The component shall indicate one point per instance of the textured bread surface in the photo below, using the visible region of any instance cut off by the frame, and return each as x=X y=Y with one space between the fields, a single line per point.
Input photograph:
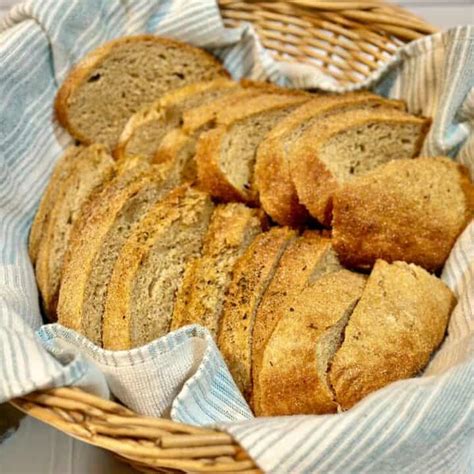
x=201 y=295
x=61 y=172
x=296 y=359
x=410 y=210
x=150 y=267
x=304 y=261
x=399 y=321
x=96 y=243
x=251 y=276
x=93 y=168
x=273 y=181
x=145 y=129
x=346 y=145
x=114 y=81
x=225 y=156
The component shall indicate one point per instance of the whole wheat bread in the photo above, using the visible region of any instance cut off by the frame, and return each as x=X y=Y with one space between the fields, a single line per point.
x=410 y=210
x=115 y=80
x=251 y=276
x=150 y=268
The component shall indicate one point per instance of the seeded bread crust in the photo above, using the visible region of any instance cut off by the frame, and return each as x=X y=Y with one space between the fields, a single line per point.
x=399 y=321
x=164 y=114
x=201 y=295
x=153 y=230
x=273 y=181
x=293 y=375
x=315 y=182
x=251 y=276
x=86 y=66
x=410 y=210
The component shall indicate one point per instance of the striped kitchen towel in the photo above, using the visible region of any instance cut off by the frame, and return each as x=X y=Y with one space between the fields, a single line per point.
x=421 y=425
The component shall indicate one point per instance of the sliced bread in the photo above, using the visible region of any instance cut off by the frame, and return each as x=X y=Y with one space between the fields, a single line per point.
x=61 y=172
x=145 y=129
x=96 y=242
x=304 y=261
x=251 y=276
x=225 y=156
x=399 y=321
x=410 y=210
x=277 y=193
x=349 y=144
x=117 y=79
x=93 y=168
x=293 y=375
x=150 y=267
x=201 y=296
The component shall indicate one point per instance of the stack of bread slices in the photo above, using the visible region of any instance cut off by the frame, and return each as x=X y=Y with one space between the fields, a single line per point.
x=194 y=199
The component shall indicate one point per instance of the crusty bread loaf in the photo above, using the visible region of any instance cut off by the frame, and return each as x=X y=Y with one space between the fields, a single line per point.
x=349 y=144
x=277 y=193
x=399 y=321
x=150 y=267
x=61 y=172
x=145 y=129
x=411 y=210
x=296 y=359
x=251 y=276
x=96 y=241
x=305 y=260
x=114 y=81
x=201 y=295
x=225 y=156
x=93 y=167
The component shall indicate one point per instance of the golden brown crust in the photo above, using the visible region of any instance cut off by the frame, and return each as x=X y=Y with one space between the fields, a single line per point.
x=40 y=223
x=252 y=274
x=314 y=182
x=158 y=110
x=289 y=380
x=273 y=180
x=82 y=70
x=296 y=265
x=399 y=321
x=410 y=210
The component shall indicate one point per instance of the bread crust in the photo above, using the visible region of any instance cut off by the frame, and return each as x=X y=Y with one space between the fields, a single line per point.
x=399 y=321
x=314 y=182
x=289 y=380
x=82 y=70
x=158 y=110
x=273 y=180
x=395 y=213
x=252 y=274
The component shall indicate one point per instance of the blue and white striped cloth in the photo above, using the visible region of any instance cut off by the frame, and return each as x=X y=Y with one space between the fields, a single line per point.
x=421 y=425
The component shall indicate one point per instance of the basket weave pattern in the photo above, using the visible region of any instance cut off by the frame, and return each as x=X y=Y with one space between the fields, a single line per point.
x=347 y=39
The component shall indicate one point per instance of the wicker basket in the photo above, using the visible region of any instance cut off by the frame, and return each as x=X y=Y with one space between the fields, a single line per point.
x=347 y=39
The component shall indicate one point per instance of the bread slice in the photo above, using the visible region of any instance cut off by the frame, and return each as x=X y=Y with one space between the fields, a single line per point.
x=296 y=359
x=117 y=79
x=349 y=144
x=225 y=156
x=273 y=181
x=251 y=276
x=201 y=296
x=410 y=210
x=305 y=260
x=61 y=172
x=150 y=267
x=145 y=129
x=96 y=242
x=93 y=168
x=399 y=321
